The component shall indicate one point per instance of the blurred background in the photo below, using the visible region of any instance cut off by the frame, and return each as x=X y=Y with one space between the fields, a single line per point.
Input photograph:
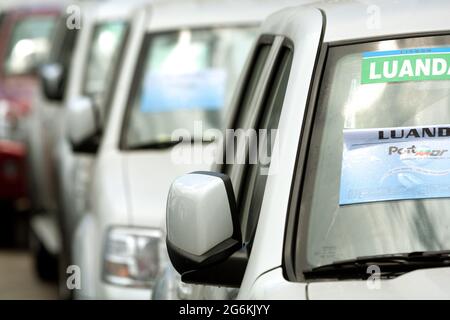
x=24 y=48
x=29 y=38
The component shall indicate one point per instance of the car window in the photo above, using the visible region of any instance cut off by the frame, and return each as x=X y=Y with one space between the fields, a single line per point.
x=63 y=43
x=29 y=44
x=255 y=176
x=102 y=58
x=185 y=77
x=349 y=103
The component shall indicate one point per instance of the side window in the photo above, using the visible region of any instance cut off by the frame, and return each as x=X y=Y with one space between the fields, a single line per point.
x=255 y=175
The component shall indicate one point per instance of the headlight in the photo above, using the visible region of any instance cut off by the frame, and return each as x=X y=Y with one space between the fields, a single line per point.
x=132 y=256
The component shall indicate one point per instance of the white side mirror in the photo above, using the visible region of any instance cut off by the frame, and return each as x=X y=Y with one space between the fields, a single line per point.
x=81 y=123
x=203 y=228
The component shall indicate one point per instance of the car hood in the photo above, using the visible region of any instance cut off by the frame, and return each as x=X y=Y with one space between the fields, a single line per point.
x=148 y=177
x=418 y=284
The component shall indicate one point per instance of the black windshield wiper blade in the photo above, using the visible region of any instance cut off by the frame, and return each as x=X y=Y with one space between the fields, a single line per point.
x=166 y=144
x=389 y=264
x=154 y=145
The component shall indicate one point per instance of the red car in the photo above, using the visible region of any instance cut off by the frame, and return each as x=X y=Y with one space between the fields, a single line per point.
x=25 y=34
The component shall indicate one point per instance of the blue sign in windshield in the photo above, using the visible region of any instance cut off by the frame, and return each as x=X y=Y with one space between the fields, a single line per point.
x=203 y=89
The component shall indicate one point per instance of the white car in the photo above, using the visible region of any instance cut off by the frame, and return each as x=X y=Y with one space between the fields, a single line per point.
x=354 y=202
x=44 y=127
x=88 y=46
x=180 y=69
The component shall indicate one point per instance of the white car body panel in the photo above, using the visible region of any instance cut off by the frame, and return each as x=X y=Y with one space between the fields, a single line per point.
x=273 y=286
x=149 y=176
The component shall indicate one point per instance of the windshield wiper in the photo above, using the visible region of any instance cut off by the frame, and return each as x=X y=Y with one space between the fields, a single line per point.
x=166 y=144
x=154 y=145
x=391 y=265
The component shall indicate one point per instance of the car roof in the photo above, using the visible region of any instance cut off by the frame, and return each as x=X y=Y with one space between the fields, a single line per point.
x=117 y=9
x=352 y=19
x=175 y=14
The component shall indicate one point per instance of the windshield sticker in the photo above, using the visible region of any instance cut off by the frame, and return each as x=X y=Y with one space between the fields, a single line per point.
x=170 y=92
x=395 y=164
x=406 y=65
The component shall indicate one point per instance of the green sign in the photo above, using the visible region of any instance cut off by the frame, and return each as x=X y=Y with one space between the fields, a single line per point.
x=406 y=65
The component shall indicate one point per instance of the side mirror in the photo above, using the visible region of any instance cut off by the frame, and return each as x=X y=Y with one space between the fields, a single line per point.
x=82 y=129
x=203 y=229
x=53 y=81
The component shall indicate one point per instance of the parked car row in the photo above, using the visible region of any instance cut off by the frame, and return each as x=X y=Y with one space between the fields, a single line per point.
x=24 y=43
x=139 y=175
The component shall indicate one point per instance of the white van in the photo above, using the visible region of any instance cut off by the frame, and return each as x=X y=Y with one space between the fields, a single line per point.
x=81 y=72
x=340 y=212
x=44 y=127
x=182 y=68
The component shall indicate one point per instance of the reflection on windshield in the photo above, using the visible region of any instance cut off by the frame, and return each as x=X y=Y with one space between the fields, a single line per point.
x=344 y=232
x=29 y=45
x=103 y=56
x=188 y=76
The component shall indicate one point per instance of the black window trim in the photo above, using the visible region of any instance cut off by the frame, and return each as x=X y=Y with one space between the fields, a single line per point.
x=265 y=84
x=263 y=40
x=291 y=263
x=286 y=45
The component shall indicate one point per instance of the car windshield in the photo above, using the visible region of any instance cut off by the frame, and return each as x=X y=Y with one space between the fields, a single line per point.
x=184 y=77
x=29 y=44
x=378 y=169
